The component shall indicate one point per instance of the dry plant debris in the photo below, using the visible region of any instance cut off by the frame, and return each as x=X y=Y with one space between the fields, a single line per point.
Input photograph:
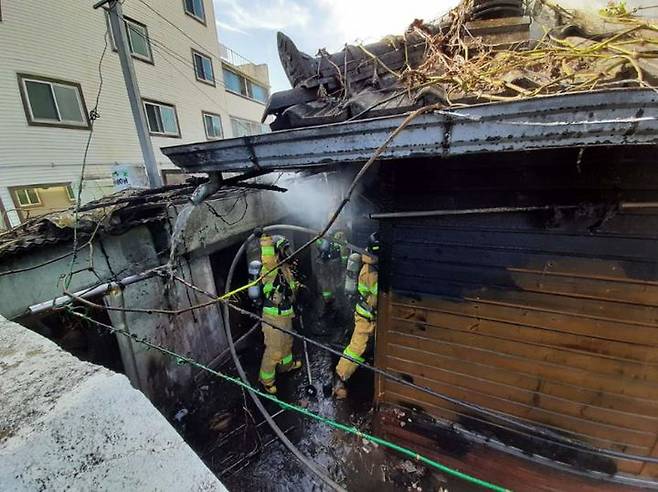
x=583 y=52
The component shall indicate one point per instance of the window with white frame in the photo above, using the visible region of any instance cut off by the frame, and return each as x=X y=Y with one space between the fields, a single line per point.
x=53 y=102
x=27 y=197
x=243 y=86
x=70 y=193
x=138 y=39
x=195 y=9
x=213 y=125
x=203 y=68
x=161 y=118
x=243 y=128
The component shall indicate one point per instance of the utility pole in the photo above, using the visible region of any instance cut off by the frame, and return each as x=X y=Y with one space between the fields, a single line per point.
x=118 y=28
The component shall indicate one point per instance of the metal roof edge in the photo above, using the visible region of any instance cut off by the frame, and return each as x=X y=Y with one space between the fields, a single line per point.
x=610 y=117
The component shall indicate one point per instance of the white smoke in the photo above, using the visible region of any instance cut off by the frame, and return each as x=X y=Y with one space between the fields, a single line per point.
x=310 y=200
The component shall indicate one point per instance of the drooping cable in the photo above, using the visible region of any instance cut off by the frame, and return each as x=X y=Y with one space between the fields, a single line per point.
x=182 y=359
x=254 y=395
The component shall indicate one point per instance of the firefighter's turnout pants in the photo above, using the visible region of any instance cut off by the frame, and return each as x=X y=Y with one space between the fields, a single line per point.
x=329 y=273
x=278 y=347
x=363 y=330
x=365 y=317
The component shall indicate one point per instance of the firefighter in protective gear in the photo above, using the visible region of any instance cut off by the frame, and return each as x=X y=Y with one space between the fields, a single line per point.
x=365 y=318
x=331 y=259
x=279 y=290
x=328 y=270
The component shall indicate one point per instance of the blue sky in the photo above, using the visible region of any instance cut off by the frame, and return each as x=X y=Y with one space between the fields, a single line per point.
x=250 y=26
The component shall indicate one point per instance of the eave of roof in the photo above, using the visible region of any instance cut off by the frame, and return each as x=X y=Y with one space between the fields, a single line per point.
x=611 y=117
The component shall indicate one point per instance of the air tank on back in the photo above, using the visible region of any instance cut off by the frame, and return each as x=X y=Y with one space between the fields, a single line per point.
x=352 y=274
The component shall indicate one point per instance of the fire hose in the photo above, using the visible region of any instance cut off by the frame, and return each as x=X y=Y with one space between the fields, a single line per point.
x=243 y=375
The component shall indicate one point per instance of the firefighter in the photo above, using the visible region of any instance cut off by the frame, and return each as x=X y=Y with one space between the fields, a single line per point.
x=279 y=290
x=329 y=269
x=365 y=316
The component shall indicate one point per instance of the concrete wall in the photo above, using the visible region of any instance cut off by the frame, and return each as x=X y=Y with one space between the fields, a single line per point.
x=132 y=252
x=199 y=333
x=67 y=424
x=206 y=233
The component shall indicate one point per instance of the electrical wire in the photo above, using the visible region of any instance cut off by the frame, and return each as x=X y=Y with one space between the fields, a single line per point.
x=93 y=116
x=254 y=396
x=353 y=430
x=518 y=427
x=193 y=83
x=208 y=51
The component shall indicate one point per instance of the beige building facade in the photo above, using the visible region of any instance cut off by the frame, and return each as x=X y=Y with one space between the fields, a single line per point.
x=53 y=58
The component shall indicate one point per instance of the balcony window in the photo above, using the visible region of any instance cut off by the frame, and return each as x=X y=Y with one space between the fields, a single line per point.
x=138 y=40
x=259 y=93
x=36 y=200
x=243 y=128
x=203 y=68
x=162 y=119
x=213 y=125
x=195 y=9
x=50 y=102
x=234 y=83
x=243 y=86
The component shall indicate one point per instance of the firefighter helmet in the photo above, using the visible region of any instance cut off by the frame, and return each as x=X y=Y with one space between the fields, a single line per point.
x=373 y=243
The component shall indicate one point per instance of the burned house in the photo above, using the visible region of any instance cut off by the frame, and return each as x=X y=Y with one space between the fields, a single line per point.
x=515 y=193
x=518 y=293
x=117 y=264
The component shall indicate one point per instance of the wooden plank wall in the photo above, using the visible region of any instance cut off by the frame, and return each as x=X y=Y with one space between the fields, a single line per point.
x=549 y=317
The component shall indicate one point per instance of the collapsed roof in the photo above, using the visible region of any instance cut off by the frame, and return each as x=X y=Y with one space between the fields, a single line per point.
x=481 y=51
x=113 y=214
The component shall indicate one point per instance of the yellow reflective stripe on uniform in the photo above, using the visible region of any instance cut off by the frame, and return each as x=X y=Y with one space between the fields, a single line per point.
x=267 y=250
x=364 y=312
x=327 y=294
x=287 y=360
x=267 y=376
x=365 y=289
x=354 y=356
x=274 y=311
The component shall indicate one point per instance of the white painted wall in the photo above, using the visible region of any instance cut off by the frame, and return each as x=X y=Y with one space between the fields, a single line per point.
x=64 y=40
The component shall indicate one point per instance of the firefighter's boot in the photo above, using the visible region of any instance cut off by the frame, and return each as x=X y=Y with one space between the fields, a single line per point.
x=340 y=390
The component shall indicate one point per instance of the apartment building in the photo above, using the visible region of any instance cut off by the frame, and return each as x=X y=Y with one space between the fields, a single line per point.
x=58 y=62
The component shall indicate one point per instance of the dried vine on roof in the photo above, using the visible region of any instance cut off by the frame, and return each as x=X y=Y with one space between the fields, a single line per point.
x=620 y=51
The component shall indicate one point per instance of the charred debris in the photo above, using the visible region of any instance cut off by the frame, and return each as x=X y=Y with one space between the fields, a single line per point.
x=480 y=52
x=509 y=151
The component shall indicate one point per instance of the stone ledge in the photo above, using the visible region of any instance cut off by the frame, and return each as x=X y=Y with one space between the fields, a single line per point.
x=65 y=423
